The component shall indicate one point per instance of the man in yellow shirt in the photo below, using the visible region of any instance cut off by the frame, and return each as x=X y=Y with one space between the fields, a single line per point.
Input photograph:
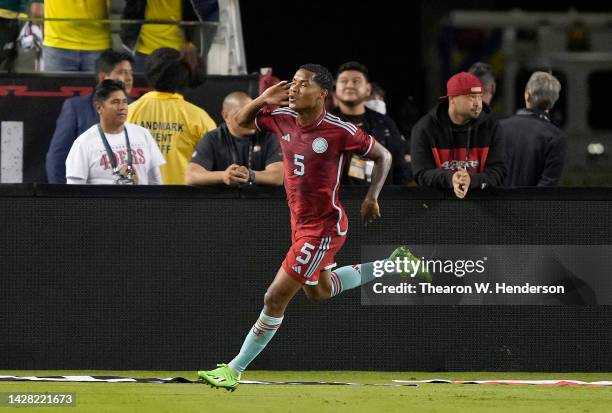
x=176 y=125
x=75 y=45
x=143 y=39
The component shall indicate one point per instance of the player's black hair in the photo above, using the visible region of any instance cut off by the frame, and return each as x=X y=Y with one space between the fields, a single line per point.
x=322 y=76
x=105 y=88
x=354 y=66
x=110 y=58
x=170 y=70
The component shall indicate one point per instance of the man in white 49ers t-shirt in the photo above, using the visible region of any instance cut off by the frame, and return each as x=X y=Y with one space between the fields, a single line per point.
x=114 y=151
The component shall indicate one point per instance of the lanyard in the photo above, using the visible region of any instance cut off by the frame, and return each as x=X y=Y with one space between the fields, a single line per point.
x=111 y=154
x=234 y=149
x=250 y=159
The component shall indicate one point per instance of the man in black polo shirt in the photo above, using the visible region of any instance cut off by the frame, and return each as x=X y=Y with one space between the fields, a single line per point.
x=233 y=155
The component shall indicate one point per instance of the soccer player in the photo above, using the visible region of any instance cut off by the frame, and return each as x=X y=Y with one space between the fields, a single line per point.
x=314 y=145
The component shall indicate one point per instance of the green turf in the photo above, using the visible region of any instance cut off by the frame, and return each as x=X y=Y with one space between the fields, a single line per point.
x=135 y=397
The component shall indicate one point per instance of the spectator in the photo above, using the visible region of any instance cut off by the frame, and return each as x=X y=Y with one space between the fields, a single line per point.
x=10 y=10
x=233 y=155
x=455 y=146
x=409 y=114
x=534 y=146
x=176 y=125
x=113 y=151
x=143 y=39
x=352 y=89
x=78 y=113
x=266 y=79
x=331 y=102
x=484 y=72
x=376 y=100
x=75 y=46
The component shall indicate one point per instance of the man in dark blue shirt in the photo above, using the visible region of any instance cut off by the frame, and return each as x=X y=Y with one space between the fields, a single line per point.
x=78 y=113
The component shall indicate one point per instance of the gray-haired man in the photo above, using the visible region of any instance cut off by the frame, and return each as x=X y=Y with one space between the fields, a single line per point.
x=534 y=146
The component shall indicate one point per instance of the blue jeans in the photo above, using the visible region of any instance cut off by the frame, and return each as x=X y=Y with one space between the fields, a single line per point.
x=66 y=60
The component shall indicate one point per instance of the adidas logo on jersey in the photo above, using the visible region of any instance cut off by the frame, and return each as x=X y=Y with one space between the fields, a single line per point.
x=297 y=269
x=287 y=137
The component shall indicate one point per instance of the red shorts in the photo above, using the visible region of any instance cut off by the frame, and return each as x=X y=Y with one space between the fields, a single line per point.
x=308 y=256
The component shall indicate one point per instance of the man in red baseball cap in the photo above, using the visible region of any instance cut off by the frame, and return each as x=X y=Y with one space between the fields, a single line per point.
x=456 y=145
x=464 y=93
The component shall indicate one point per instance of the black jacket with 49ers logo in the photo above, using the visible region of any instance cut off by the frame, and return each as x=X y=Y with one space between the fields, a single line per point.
x=439 y=148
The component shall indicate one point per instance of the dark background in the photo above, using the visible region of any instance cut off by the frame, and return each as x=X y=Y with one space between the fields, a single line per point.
x=386 y=36
x=130 y=278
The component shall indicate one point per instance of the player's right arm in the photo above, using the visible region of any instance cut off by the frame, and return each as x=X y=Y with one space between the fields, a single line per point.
x=277 y=95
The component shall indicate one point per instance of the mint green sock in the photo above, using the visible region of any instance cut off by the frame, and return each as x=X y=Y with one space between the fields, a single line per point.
x=351 y=276
x=258 y=338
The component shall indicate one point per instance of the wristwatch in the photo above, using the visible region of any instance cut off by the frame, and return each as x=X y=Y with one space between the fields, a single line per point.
x=251 y=176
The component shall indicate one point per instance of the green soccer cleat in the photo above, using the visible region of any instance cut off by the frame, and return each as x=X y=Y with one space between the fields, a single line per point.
x=222 y=377
x=404 y=252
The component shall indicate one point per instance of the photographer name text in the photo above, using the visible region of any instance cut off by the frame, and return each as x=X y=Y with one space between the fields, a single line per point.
x=476 y=288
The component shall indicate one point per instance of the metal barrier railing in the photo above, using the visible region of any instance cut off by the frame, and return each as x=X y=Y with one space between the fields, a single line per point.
x=225 y=34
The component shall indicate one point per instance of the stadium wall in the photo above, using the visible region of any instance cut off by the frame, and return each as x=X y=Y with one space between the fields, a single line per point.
x=172 y=278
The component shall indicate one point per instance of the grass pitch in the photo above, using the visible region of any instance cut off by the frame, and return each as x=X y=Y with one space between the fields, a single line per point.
x=136 y=397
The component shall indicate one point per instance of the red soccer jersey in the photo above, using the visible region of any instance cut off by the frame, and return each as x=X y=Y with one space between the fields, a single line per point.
x=314 y=157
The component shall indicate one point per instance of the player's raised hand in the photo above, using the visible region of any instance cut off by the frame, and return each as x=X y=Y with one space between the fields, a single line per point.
x=277 y=94
x=369 y=210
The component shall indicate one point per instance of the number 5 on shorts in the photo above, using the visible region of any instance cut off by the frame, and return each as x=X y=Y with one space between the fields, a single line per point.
x=306 y=255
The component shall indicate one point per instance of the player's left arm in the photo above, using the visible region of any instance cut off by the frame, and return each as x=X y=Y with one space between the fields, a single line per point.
x=382 y=163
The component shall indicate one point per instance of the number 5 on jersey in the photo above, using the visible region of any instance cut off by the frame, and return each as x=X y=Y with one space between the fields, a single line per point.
x=297 y=161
